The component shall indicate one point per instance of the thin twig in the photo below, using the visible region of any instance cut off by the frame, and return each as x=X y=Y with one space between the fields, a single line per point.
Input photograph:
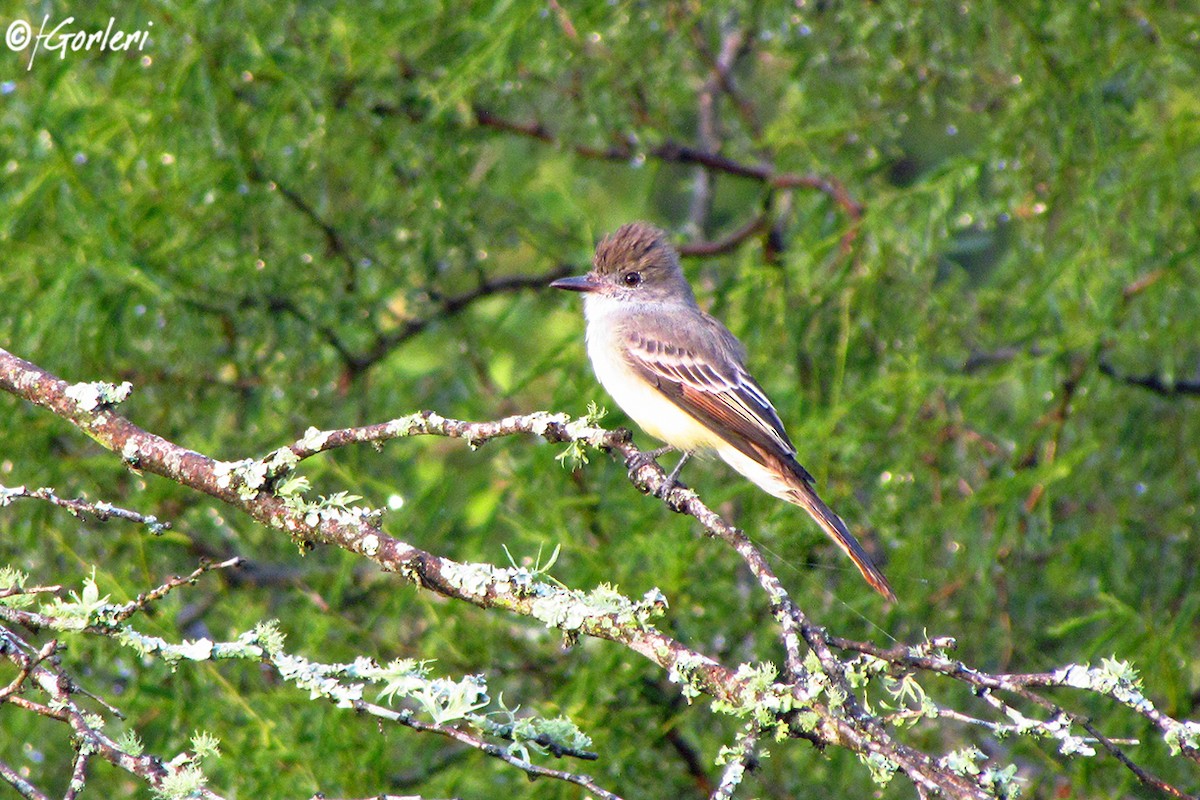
x=146 y=598
x=101 y=510
x=1152 y=382
x=404 y=717
x=23 y=787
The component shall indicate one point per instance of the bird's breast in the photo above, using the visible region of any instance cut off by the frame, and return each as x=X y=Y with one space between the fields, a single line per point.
x=641 y=400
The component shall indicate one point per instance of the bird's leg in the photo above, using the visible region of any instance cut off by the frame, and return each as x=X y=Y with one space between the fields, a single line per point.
x=669 y=482
x=640 y=460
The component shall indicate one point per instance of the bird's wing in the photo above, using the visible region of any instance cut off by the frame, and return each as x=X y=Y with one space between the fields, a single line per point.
x=705 y=378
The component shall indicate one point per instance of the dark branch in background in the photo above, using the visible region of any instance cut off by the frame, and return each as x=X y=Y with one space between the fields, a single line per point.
x=247 y=485
x=1152 y=382
x=357 y=361
x=628 y=148
x=451 y=305
x=668 y=151
x=733 y=45
x=727 y=243
x=335 y=241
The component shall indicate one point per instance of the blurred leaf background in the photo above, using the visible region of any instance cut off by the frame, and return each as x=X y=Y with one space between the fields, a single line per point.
x=273 y=217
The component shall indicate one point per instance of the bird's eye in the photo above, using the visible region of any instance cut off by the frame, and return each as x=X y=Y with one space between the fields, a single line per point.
x=633 y=278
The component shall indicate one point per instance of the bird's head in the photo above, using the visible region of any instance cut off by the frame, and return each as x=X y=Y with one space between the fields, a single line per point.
x=635 y=263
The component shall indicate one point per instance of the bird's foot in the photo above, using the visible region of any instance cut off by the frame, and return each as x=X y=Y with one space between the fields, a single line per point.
x=644 y=458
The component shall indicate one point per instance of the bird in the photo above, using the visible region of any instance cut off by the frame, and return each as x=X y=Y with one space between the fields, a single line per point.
x=682 y=377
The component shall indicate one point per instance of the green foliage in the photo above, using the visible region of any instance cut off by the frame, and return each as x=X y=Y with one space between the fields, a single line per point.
x=276 y=218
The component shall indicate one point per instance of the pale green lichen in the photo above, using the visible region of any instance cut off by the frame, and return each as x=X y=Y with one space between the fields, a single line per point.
x=205 y=745
x=686 y=670
x=293 y=488
x=474 y=579
x=604 y=605
x=313 y=439
x=1182 y=735
x=1002 y=783
x=536 y=734
x=734 y=758
x=401 y=678
x=908 y=694
x=404 y=426
x=181 y=782
x=7 y=495
x=584 y=433
x=540 y=422
x=11 y=579
x=268 y=636
x=561 y=609
x=90 y=396
x=319 y=679
x=446 y=700
x=203 y=649
x=761 y=698
x=281 y=461
x=81 y=609
x=1121 y=681
x=882 y=768
x=963 y=762
x=337 y=508
x=247 y=476
x=129 y=742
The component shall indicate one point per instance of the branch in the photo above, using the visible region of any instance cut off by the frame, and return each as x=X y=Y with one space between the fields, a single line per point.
x=669 y=151
x=1152 y=382
x=820 y=698
x=341 y=684
x=335 y=242
x=451 y=305
x=534 y=771
x=101 y=511
x=1115 y=680
x=49 y=678
x=246 y=485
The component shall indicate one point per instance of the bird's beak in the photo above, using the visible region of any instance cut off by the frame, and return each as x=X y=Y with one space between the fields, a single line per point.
x=579 y=283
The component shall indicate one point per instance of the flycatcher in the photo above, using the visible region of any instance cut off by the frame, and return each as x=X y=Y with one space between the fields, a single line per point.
x=681 y=375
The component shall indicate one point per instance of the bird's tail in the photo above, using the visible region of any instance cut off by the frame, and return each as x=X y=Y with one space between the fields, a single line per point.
x=790 y=481
x=781 y=475
x=802 y=494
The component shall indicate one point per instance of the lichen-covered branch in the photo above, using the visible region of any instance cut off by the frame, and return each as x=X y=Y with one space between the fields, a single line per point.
x=78 y=507
x=444 y=704
x=817 y=695
x=40 y=672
